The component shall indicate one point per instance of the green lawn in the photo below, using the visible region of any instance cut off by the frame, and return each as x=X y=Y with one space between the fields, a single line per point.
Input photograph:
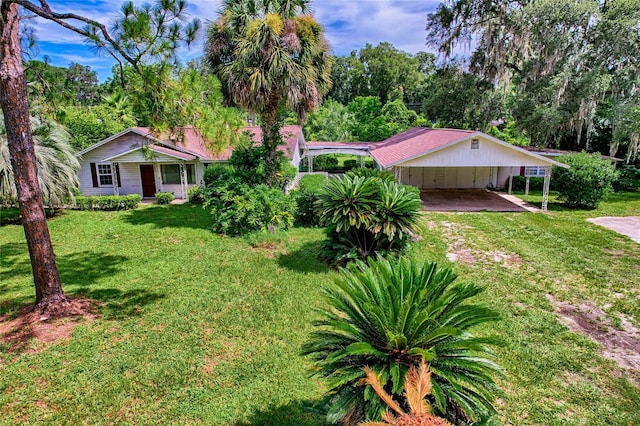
x=201 y=329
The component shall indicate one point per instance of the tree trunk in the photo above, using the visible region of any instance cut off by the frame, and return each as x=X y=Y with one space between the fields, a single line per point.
x=13 y=99
x=271 y=136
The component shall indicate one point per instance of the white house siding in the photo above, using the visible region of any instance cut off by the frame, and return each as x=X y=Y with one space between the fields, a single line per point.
x=488 y=154
x=124 y=143
x=130 y=177
x=449 y=177
x=503 y=176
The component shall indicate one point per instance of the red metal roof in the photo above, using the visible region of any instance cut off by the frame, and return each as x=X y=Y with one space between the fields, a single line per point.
x=413 y=143
x=191 y=140
x=346 y=145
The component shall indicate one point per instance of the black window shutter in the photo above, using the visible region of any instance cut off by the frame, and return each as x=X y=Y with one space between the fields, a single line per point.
x=94 y=175
x=118 y=175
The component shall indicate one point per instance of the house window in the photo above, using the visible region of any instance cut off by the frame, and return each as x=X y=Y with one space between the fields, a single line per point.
x=534 y=171
x=105 y=178
x=475 y=144
x=171 y=174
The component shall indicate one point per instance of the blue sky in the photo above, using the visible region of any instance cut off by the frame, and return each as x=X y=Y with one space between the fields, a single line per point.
x=349 y=25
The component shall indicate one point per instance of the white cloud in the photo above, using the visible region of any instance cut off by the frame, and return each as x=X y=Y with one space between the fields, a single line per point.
x=349 y=25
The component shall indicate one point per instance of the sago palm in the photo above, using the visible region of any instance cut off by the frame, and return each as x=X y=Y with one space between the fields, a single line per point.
x=270 y=55
x=391 y=316
x=56 y=161
x=366 y=215
x=417 y=386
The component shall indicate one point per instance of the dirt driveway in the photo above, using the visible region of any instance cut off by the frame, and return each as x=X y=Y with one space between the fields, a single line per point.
x=471 y=200
x=629 y=225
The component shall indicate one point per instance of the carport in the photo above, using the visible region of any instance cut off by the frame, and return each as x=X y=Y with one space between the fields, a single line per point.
x=459 y=159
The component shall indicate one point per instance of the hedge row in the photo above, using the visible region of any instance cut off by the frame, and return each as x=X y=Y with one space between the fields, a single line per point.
x=107 y=202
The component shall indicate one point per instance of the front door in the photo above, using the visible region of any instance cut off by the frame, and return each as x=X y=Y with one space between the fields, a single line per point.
x=148 y=180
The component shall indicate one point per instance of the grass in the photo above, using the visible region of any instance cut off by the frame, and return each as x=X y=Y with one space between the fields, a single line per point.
x=202 y=329
x=311 y=183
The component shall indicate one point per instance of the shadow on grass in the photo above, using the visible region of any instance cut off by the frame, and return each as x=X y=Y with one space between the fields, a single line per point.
x=11 y=215
x=81 y=270
x=305 y=259
x=295 y=413
x=171 y=216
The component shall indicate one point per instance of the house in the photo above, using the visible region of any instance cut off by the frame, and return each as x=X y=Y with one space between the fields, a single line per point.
x=446 y=158
x=136 y=161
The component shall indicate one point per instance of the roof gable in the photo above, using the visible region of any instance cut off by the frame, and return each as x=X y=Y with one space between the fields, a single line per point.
x=408 y=146
x=192 y=143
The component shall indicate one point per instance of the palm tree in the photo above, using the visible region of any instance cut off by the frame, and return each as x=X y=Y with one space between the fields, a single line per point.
x=55 y=159
x=392 y=316
x=270 y=55
x=367 y=212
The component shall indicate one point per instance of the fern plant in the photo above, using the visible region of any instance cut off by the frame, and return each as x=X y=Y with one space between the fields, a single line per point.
x=391 y=316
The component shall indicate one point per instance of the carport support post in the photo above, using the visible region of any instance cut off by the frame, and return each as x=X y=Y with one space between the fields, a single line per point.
x=545 y=188
x=526 y=189
x=310 y=163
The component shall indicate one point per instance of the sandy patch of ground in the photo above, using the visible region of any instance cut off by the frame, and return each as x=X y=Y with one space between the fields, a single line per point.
x=621 y=344
x=48 y=328
x=459 y=252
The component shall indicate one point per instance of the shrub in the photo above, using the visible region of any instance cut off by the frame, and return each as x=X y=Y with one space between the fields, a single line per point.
x=107 y=202
x=285 y=175
x=217 y=173
x=325 y=162
x=350 y=164
x=587 y=182
x=372 y=173
x=238 y=208
x=535 y=183
x=389 y=317
x=366 y=215
x=306 y=214
x=164 y=197
x=195 y=195
x=628 y=179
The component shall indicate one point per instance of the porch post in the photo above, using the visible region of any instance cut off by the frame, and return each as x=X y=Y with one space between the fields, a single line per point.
x=310 y=163
x=545 y=188
x=183 y=180
x=526 y=189
x=114 y=178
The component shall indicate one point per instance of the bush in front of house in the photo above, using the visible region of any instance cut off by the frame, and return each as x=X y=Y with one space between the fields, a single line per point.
x=372 y=173
x=535 y=183
x=239 y=209
x=305 y=214
x=217 y=173
x=628 y=179
x=588 y=180
x=107 y=202
x=195 y=195
x=164 y=197
x=366 y=216
x=392 y=316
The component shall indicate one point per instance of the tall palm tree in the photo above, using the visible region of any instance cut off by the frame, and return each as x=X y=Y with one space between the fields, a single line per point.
x=390 y=317
x=270 y=55
x=55 y=159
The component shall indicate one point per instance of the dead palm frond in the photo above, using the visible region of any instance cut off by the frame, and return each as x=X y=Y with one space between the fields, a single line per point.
x=416 y=387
